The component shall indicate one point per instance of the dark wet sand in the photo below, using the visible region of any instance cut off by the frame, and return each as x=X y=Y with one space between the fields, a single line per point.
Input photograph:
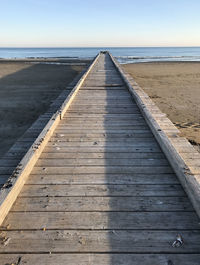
x=26 y=91
x=175 y=88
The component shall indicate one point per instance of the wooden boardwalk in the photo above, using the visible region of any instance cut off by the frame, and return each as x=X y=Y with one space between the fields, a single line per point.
x=102 y=191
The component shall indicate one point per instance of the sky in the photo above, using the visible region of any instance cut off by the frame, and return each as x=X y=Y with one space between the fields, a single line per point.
x=88 y=23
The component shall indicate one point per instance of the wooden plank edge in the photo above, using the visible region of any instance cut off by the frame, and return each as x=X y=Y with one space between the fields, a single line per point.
x=174 y=147
x=16 y=181
x=99 y=258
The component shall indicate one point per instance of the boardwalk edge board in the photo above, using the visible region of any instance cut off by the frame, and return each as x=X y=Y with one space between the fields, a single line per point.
x=182 y=156
x=16 y=181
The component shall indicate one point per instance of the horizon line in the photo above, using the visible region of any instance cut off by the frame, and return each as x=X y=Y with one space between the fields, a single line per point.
x=40 y=47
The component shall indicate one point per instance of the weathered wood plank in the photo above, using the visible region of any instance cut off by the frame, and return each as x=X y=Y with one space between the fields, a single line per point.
x=102 y=169
x=97 y=149
x=103 y=179
x=103 y=122
x=97 y=91
x=116 y=127
x=95 y=83
x=104 y=131
x=102 y=220
x=103 y=125
x=96 y=108
x=103 y=138
x=107 y=111
x=120 y=204
x=102 y=118
x=103 y=141
x=105 y=144
x=69 y=241
x=103 y=259
x=105 y=155
x=100 y=136
x=45 y=162
x=123 y=116
x=101 y=190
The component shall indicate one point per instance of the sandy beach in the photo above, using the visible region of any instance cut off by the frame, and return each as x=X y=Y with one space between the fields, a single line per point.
x=27 y=87
x=175 y=88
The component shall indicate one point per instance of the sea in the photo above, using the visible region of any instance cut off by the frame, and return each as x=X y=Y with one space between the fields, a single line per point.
x=124 y=55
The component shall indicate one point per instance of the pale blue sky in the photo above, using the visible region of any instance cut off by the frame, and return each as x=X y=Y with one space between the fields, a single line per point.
x=63 y=23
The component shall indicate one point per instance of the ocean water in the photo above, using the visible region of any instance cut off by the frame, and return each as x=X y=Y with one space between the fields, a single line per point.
x=123 y=55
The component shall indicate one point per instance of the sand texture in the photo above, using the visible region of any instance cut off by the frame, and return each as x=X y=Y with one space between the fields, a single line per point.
x=26 y=91
x=175 y=88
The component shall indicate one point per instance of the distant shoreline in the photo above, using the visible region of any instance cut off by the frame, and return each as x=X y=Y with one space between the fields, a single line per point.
x=82 y=61
x=46 y=59
x=161 y=62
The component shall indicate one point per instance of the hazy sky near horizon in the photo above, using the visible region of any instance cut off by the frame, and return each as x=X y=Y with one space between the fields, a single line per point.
x=68 y=23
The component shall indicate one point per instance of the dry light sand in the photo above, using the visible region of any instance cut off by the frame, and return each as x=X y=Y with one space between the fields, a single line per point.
x=175 y=88
x=26 y=91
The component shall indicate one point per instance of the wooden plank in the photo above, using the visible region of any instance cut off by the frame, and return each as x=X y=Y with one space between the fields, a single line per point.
x=101 y=190
x=97 y=83
x=62 y=162
x=69 y=241
x=105 y=155
x=101 y=169
x=103 y=122
x=123 y=98
x=100 y=125
x=97 y=116
x=105 y=144
x=102 y=77
x=3 y=179
x=97 y=149
x=107 y=111
x=138 y=128
x=101 y=136
x=8 y=163
x=102 y=109
x=95 y=204
x=121 y=91
x=82 y=138
x=119 y=104
x=138 y=125
x=104 y=94
x=109 y=101
x=103 y=88
x=98 y=161
x=102 y=220
x=95 y=141
x=103 y=179
x=103 y=259
x=100 y=104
